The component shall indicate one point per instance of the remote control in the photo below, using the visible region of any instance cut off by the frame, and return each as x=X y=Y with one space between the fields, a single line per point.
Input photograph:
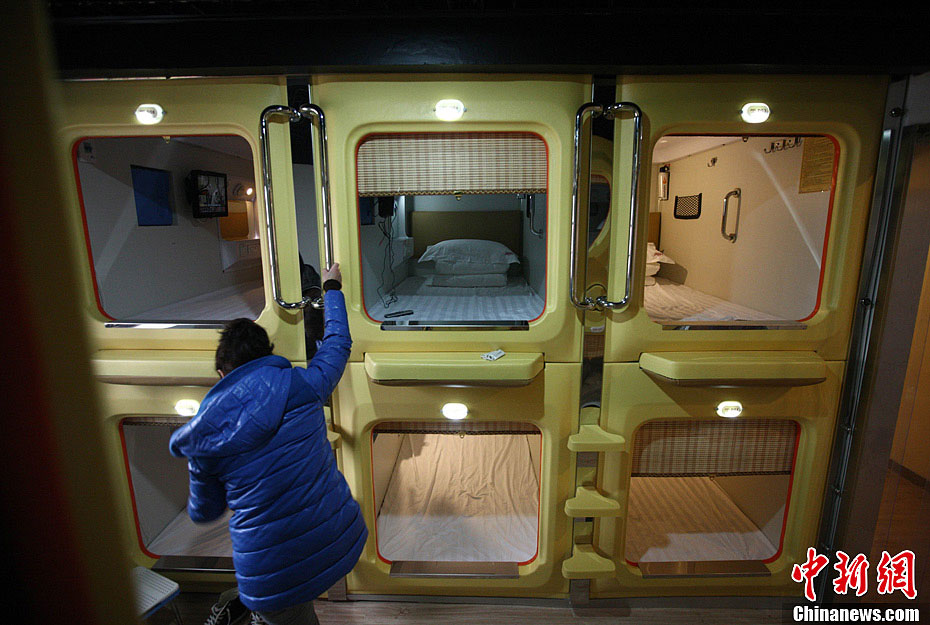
x=398 y=313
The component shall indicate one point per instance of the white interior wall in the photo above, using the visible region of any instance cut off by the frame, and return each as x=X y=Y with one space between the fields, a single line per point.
x=762 y=498
x=140 y=268
x=534 y=247
x=159 y=480
x=385 y=449
x=774 y=266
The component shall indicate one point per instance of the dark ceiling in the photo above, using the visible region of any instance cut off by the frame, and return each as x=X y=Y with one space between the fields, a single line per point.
x=118 y=38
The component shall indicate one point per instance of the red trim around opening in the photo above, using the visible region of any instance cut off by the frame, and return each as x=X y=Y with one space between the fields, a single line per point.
x=374 y=510
x=826 y=235
x=784 y=522
x=132 y=493
x=358 y=220
x=80 y=192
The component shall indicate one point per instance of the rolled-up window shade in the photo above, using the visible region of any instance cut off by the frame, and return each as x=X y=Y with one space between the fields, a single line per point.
x=446 y=163
x=693 y=448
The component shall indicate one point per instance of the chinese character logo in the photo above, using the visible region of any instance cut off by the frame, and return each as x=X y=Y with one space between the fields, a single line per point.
x=892 y=573
x=896 y=573
x=851 y=574
x=808 y=571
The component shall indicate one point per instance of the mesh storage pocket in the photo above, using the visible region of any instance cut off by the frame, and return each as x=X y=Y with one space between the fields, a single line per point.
x=687 y=206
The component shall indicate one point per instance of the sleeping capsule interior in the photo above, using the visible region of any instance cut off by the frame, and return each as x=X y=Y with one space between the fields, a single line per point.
x=159 y=488
x=709 y=491
x=171 y=227
x=447 y=492
x=743 y=227
x=453 y=227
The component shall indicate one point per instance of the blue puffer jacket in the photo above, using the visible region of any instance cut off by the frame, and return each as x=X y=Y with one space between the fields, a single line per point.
x=258 y=445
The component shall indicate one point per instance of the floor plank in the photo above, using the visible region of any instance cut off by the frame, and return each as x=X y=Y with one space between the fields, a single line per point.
x=194 y=607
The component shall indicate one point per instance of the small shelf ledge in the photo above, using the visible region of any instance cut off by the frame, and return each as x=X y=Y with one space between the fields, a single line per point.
x=594 y=438
x=735 y=368
x=512 y=369
x=586 y=563
x=588 y=502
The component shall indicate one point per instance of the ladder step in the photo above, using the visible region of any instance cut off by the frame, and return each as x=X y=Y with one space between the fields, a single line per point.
x=588 y=502
x=586 y=563
x=594 y=438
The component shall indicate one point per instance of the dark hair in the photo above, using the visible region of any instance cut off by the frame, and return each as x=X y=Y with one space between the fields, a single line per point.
x=241 y=341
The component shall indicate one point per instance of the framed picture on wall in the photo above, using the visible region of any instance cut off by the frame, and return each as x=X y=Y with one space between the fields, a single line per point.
x=207 y=193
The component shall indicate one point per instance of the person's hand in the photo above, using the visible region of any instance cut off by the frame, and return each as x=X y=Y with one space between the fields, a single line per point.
x=332 y=273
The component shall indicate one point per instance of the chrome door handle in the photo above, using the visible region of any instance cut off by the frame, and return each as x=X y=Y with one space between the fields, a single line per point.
x=731 y=237
x=293 y=115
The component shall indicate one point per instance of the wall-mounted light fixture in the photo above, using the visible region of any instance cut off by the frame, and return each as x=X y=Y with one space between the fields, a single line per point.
x=449 y=110
x=755 y=112
x=729 y=409
x=455 y=411
x=244 y=192
x=149 y=114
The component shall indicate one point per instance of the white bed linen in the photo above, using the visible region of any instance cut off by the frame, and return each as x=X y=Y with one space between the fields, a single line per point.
x=516 y=301
x=461 y=499
x=183 y=537
x=672 y=519
x=244 y=300
x=671 y=301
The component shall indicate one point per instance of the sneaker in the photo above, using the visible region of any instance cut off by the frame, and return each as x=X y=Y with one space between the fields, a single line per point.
x=257 y=620
x=227 y=610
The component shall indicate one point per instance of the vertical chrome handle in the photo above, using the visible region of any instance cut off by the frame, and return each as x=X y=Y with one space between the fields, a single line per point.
x=587 y=303
x=731 y=237
x=293 y=115
x=614 y=110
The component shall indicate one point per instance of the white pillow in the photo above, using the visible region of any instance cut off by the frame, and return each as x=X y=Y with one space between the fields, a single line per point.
x=655 y=256
x=652 y=269
x=488 y=279
x=470 y=251
x=456 y=268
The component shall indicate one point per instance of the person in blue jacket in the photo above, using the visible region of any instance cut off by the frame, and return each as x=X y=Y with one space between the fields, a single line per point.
x=258 y=445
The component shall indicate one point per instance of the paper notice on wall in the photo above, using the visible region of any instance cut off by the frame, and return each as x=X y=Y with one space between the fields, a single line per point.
x=816 y=165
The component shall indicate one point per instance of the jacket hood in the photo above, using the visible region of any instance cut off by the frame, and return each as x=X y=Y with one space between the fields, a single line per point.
x=241 y=412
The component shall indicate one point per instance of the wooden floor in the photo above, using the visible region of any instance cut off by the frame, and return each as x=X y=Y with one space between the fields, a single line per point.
x=902 y=524
x=194 y=607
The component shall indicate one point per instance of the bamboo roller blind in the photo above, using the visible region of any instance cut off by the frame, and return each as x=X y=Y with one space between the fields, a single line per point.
x=740 y=447
x=446 y=163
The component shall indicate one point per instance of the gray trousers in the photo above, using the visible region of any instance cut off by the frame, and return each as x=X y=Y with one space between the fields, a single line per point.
x=300 y=614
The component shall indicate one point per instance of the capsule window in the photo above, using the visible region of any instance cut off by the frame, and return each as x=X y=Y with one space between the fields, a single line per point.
x=709 y=491
x=453 y=492
x=171 y=227
x=453 y=227
x=753 y=250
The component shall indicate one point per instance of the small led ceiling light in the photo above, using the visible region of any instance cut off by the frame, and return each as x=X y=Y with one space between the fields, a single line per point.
x=729 y=409
x=755 y=112
x=450 y=110
x=149 y=114
x=243 y=192
x=455 y=411
x=187 y=407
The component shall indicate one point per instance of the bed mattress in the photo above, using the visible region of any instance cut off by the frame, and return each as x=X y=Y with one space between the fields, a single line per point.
x=183 y=537
x=471 y=498
x=514 y=302
x=686 y=519
x=670 y=301
x=245 y=300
